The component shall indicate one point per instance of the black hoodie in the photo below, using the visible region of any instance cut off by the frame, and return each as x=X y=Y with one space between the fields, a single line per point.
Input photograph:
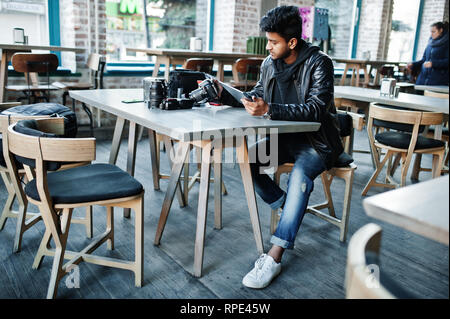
x=285 y=74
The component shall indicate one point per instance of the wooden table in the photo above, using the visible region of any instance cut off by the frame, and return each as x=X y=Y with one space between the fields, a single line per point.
x=422 y=208
x=210 y=129
x=434 y=88
x=366 y=65
x=9 y=49
x=178 y=56
x=404 y=100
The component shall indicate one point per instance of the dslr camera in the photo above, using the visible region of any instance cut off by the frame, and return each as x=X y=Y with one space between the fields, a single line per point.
x=207 y=91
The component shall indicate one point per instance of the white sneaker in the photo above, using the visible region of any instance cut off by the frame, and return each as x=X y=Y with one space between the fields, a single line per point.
x=262 y=274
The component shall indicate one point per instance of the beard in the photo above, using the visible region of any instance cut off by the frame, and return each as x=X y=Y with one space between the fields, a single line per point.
x=285 y=54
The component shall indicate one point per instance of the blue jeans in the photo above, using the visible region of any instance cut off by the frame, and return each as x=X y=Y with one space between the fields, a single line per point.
x=307 y=166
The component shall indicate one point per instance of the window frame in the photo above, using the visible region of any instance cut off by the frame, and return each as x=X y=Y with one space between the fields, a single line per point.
x=54 y=26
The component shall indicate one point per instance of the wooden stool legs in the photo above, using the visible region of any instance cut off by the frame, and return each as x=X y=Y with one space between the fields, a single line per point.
x=346 y=173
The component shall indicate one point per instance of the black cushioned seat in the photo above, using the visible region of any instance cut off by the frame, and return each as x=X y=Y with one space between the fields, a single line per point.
x=89 y=183
x=402 y=140
x=343 y=160
x=346 y=127
x=345 y=124
x=50 y=109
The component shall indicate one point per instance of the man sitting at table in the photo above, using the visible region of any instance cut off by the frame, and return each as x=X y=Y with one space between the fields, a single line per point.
x=296 y=84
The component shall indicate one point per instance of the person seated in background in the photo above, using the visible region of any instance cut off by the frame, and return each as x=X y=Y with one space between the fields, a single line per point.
x=434 y=64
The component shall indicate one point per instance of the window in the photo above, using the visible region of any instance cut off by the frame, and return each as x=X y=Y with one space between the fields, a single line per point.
x=164 y=24
x=403 y=30
x=32 y=16
x=340 y=16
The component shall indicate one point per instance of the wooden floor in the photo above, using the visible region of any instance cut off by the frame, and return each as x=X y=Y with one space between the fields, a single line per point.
x=315 y=268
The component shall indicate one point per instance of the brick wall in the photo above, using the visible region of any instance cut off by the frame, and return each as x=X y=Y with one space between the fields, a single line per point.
x=201 y=12
x=374 y=19
x=223 y=25
x=246 y=23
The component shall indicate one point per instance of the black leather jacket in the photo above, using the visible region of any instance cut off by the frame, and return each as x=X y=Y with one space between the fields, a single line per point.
x=315 y=90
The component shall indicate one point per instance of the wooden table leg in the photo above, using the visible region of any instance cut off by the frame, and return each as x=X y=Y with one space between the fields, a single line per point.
x=344 y=75
x=166 y=61
x=170 y=151
x=156 y=67
x=170 y=192
x=244 y=165
x=3 y=75
x=202 y=208
x=218 y=187
x=220 y=73
x=115 y=146
x=366 y=77
x=357 y=74
x=131 y=157
x=154 y=158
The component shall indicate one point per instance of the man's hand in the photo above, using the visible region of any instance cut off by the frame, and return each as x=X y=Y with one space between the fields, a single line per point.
x=428 y=64
x=256 y=107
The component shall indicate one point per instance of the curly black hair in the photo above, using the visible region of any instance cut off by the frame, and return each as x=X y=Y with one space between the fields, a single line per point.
x=284 y=20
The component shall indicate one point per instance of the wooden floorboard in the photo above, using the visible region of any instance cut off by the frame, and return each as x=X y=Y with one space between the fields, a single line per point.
x=315 y=268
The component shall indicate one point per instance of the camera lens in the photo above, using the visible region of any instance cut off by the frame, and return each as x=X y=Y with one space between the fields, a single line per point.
x=157 y=93
x=206 y=91
x=198 y=95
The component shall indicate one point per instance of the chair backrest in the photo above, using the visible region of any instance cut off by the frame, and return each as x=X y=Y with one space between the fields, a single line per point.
x=404 y=116
x=360 y=282
x=50 y=149
x=46 y=123
x=435 y=94
x=199 y=64
x=246 y=69
x=42 y=149
x=34 y=62
x=5 y=121
x=96 y=63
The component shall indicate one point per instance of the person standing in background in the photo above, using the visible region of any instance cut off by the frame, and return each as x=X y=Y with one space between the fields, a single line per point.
x=434 y=64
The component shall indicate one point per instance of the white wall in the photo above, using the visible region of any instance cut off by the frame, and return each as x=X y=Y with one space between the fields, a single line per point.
x=35 y=27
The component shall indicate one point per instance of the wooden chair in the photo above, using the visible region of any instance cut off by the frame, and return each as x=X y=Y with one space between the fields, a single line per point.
x=430 y=134
x=25 y=219
x=403 y=143
x=345 y=172
x=199 y=64
x=30 y=64
x=56 y=194
x=96 y=64
x=246 y=73
x=360 y=281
